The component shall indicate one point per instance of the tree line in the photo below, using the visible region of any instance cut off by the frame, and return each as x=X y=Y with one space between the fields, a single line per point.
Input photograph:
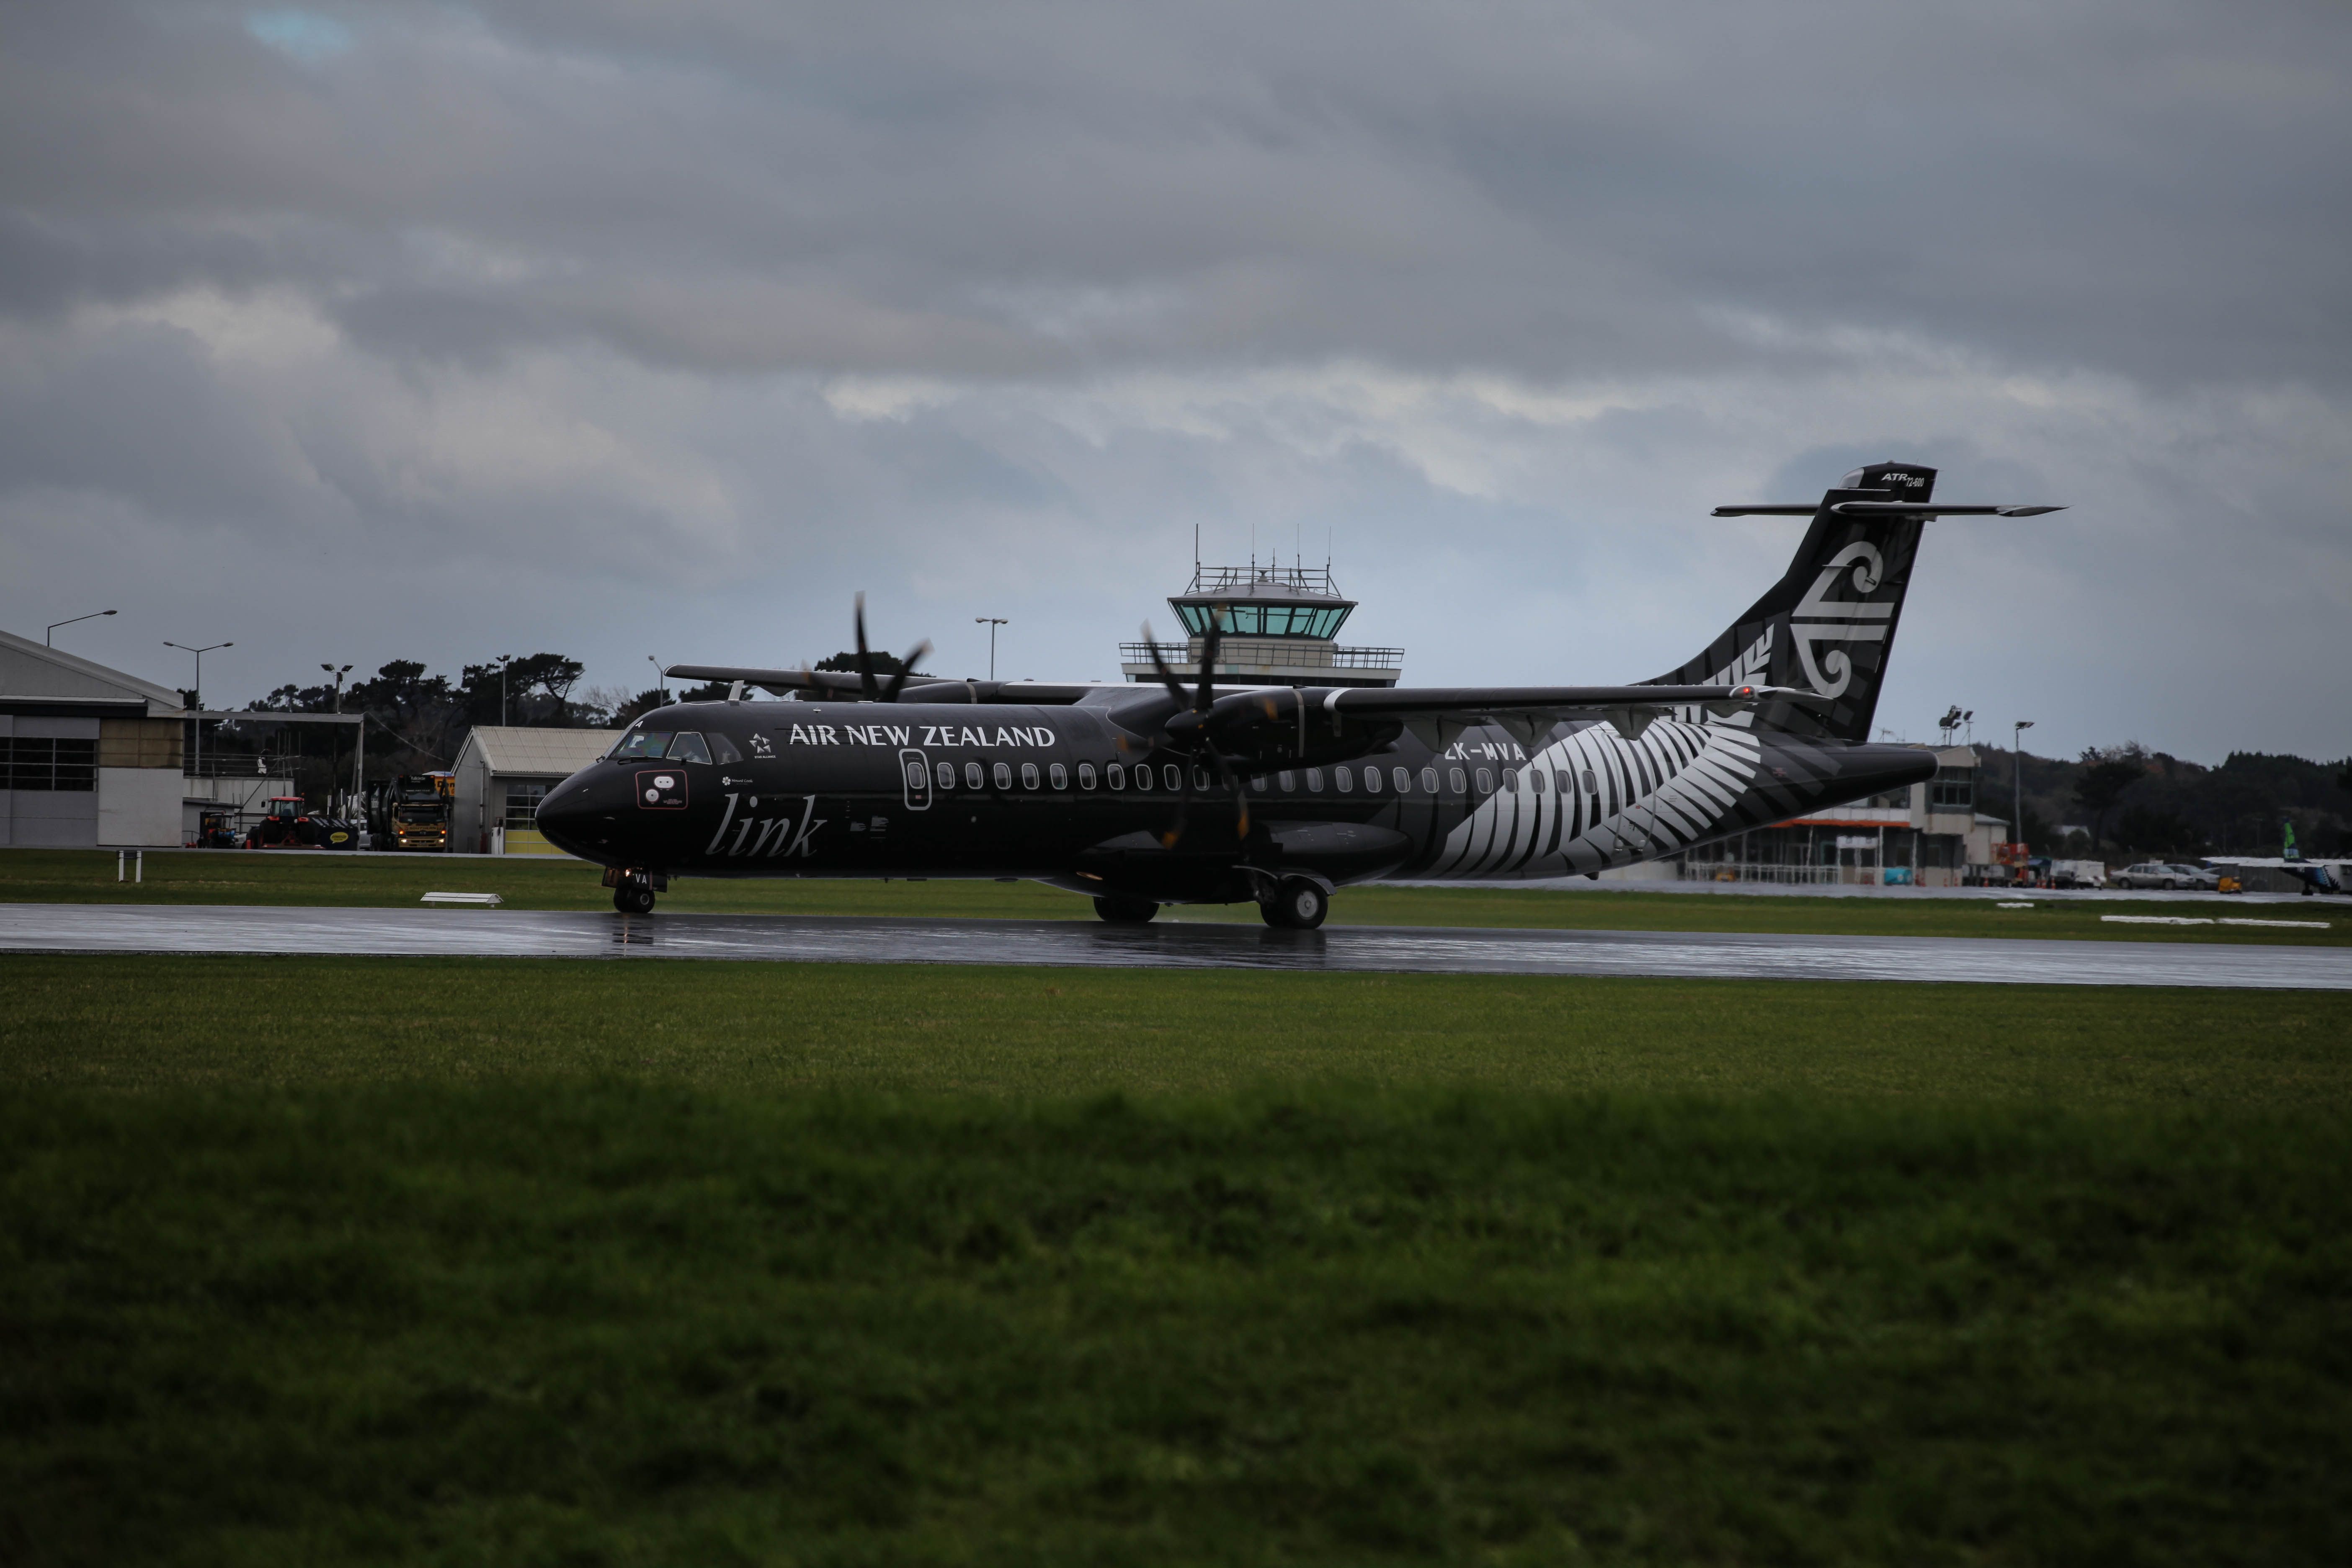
x=2140 y=803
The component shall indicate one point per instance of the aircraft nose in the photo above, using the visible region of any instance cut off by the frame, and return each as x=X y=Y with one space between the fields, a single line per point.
x=570 y=815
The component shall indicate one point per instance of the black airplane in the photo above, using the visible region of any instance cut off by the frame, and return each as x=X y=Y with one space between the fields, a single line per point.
x=1143 y=795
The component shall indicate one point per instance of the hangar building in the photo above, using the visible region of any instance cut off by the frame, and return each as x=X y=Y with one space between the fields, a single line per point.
x=504 y=771
x=89 y=756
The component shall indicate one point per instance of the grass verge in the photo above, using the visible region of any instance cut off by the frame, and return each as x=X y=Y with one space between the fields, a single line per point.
x=588 y=1323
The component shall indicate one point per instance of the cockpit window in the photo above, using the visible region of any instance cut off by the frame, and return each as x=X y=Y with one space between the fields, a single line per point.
x=722 y=750
x=642 y=747
x=688 y=747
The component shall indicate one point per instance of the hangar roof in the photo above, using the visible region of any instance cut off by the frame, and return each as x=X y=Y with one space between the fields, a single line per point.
x=38 y=677
x=521 y=749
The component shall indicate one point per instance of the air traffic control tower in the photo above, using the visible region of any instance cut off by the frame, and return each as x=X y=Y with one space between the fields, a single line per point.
x=1281 y=628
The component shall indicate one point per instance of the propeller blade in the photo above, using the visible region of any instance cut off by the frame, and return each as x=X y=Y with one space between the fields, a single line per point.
x=899 y=681
x=866 y=660
x=1209 y=641
x=1183 y=800
x=1167 y=677
x=1233 y=782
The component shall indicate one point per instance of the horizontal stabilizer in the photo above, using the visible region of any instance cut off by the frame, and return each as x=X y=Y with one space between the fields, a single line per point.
x=1882 y=508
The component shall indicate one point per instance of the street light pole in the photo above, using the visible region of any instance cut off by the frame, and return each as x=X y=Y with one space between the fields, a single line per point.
x=2017 y=780
x=198 y=693
x=661 y=678
x=992 y=623
x=504 y=660
x=53 y=625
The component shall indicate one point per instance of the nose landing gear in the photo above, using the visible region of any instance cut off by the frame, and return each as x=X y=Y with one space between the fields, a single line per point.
x=1119 y=910
x=633 y=891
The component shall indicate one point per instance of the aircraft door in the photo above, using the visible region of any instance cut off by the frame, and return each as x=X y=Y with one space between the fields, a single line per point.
x=914 y=778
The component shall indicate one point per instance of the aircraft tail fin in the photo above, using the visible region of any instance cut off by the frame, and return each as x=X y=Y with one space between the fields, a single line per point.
x=2288 y=851
x=1828 y=624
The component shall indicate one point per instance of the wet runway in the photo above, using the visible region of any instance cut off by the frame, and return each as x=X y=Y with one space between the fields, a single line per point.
x=476 y=933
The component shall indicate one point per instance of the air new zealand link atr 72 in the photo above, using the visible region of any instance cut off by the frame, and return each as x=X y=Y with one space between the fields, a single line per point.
x=1142 y=796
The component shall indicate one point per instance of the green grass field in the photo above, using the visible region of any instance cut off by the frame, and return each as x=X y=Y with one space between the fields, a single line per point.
x=546 y=1262
x=233 y=876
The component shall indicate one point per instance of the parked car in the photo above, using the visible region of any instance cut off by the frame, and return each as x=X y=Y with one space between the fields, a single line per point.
x=2164 y=874
x=2078 y=874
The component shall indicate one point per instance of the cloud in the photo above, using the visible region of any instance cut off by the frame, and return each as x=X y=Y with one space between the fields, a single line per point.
x=579 y=324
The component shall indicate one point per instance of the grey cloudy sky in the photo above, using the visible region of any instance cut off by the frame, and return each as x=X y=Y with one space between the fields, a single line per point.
x=359 y=332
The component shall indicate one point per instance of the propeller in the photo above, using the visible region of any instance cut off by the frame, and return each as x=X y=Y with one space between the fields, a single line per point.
x=1198 y=703
x=875 y=691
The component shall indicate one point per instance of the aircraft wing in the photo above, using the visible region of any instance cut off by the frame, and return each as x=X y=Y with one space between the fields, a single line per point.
x=845 y=686
x=2271 y=862
x=1433 y=710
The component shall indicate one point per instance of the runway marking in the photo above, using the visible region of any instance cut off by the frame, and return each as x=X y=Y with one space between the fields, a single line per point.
x=525 y=933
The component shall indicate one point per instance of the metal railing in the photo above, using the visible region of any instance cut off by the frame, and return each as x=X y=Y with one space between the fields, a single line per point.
x=1758 y=871
x=1237 y=654
x=1241 y=579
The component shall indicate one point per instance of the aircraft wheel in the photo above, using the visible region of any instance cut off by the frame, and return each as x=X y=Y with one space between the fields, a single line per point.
x=633 y=899
x=1297 y=905
x=1121 y=912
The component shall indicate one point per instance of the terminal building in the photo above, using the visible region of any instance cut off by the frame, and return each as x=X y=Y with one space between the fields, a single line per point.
x=89 y=756
x=1929 y=835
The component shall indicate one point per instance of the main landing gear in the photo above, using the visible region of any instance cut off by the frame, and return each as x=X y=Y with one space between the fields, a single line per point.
x=1125 y=911
x=1296 y=904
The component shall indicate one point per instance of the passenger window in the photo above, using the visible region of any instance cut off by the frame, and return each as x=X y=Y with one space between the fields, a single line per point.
x=947 y=776
x=1257 y=783
x=1315 y=780
x=1028 y=775
x=1485 y=782
x=1371 y=781
x=1511 y=781
x=1173 y=776
x=1535 y=781
x=914 y=776
x=1287 y=781
x=1087 y=775
x=1115 y=772
x=1401 y=779
x=1060 y=775
x=1559 y=781
x=1345 y=778
x=1003 y=775
x=1200 y=777
x=642 y=747
x=972 y=775
x=1460 y=780
x=1589 y=786
x=723 y=751
x=688 y=747
x=1429 y=780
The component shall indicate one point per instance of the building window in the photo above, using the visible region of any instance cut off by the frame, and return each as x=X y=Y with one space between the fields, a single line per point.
x=1087 y=776
x=1894 y=798
x=1953 y=788
x=41 y=762
x=522 y=803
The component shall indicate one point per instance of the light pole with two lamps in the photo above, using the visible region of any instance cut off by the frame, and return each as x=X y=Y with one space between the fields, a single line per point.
x=197 y=693
x=992 y=623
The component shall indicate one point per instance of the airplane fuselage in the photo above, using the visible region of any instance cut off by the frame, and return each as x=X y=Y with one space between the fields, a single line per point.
x=1082 y=795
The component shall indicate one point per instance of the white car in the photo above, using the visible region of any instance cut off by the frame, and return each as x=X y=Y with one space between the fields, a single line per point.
x=2163 y=874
